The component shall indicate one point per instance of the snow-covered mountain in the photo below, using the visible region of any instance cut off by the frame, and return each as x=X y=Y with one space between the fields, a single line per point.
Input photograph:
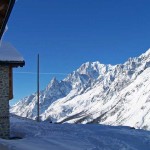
x=96 y=93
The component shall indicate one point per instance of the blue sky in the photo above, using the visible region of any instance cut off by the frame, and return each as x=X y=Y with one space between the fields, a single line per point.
x=67 y=33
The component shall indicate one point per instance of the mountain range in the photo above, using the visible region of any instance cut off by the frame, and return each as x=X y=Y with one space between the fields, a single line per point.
x=96 y=93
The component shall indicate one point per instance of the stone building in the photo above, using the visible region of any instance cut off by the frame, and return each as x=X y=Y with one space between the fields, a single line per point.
x=9 y=59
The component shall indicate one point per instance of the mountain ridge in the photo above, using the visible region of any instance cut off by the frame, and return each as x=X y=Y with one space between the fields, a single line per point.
x=94 y=93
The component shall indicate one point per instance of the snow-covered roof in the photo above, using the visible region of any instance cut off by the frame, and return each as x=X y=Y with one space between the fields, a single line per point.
x=9 y=54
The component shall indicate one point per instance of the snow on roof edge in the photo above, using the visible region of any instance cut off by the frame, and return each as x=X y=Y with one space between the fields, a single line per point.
x=9 y=53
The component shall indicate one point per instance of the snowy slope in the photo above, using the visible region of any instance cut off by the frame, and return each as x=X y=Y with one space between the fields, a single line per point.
x=97 y=93
x=46 y=136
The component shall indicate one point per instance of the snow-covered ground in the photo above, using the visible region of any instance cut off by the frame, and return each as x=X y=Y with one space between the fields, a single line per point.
x=46 y=136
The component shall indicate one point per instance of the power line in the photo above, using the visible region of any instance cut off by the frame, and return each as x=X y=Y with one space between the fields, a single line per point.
x=42 y=73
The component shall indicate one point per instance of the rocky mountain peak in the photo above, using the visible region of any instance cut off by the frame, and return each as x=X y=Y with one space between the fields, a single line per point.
x=53 y=83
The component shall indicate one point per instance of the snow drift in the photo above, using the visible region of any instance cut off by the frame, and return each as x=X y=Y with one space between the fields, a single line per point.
x=46 y=136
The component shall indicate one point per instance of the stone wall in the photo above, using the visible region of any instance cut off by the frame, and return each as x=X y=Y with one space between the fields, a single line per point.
x=4 y=102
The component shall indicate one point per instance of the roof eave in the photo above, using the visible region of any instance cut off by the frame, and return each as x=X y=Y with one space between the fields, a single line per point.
x=11 y=4
x=13 y=63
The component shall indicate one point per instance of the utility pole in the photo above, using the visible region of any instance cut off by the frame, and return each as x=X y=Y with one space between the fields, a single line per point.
x=38 y=85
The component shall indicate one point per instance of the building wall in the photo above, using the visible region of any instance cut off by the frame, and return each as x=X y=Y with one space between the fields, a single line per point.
x=4 y=102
